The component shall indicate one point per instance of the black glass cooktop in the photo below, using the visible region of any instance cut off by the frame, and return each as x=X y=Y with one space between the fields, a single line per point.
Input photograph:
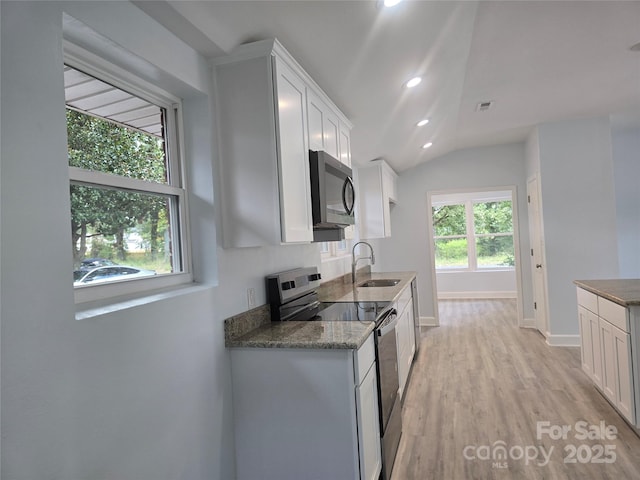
x=351 y=311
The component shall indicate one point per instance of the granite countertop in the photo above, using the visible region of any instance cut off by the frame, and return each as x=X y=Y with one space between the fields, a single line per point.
x=625 y=292
x=345 y=291
x=254 y=329
x=312 y=335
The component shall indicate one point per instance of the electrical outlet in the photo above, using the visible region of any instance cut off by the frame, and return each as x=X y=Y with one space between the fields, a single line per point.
x=251 y=297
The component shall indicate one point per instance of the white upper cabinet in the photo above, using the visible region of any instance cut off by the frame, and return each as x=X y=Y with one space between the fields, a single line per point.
x=345 y=144
x=269 y=114
x=377 y=191
x=315 y=114
x=293 y=158
x=324 y=127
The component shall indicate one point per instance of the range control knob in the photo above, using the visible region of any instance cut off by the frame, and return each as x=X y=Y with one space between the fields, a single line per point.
x=288 y=285
x=315 y=276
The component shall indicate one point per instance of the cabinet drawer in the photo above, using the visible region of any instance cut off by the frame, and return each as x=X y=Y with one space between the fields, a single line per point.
x=588 y=300
x=403 y=300
x=364 y=358
x=613 y=313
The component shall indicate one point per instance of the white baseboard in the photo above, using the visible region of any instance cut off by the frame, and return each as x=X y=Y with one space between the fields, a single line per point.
x=563 y=340
x=528 y=323
x=474 y=295
x=428 y=322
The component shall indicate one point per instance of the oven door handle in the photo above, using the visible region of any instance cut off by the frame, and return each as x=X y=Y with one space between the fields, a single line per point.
x=389 y=323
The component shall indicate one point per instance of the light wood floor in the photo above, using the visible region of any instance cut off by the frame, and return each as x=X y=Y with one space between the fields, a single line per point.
x=478 y=380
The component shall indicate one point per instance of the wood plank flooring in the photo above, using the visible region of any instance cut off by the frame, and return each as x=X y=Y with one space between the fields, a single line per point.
x=480 y=382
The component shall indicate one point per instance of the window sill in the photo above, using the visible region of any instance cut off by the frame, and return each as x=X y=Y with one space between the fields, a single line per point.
x=483 y=270
x=92 y=310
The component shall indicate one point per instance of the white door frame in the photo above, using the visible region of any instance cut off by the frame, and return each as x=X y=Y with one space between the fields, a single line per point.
x=537 y=257
x=516 y=243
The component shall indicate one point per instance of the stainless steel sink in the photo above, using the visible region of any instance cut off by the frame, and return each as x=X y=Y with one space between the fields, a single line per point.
x=383 y=282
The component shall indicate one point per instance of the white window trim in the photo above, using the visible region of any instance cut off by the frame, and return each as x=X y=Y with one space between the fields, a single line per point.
x=98 y=67
x=471 y=236
x=335 y=252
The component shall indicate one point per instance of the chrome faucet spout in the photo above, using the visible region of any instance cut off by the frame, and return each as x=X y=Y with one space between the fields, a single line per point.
x=354 y=261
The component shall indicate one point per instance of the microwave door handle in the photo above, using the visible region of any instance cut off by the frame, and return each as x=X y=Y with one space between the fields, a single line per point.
x=348 y=183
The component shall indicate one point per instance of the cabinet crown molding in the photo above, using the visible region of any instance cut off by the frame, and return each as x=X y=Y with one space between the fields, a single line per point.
x=272 y=46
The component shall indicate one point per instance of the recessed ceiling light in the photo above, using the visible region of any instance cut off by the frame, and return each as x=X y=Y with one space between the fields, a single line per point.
x=391 y=3
x=413 y=82
x=422 y=123
x=427 y=145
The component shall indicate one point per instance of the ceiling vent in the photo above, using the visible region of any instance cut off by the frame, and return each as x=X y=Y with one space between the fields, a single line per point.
x=484 y=106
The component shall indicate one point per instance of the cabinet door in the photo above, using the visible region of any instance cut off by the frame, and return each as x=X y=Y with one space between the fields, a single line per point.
x=389 y=184
x=596 y=349
x=624 y=385
x=331 y=134
x=345 y=144
x=590 y=345
x=389 y=195
x=607 y=347
x=323 y=126
x=315 y=115
x=369 y=427
x=293 y=156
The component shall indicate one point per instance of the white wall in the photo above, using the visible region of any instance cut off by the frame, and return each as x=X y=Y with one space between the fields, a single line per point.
x=626 y=164
x=143 y=393
x=334 y=267
x=578 y=205
x=478 y=284
x=476 y=168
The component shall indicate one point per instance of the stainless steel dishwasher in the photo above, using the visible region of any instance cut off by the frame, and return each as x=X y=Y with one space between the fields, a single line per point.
x=390 y=405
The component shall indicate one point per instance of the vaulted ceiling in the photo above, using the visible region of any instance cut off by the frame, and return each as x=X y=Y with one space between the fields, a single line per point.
x=536 y=61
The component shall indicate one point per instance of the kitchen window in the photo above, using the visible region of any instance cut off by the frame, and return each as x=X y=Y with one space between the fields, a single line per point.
x=329 y=250
x=474 y=234
x=128 y=201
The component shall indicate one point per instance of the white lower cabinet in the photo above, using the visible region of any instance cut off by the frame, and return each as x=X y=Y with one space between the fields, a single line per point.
x=303 y=413
x=605 y=340
x=368 y=426
x=607 y=345
x=590 y=349
x=405 y=337
x=617 y=379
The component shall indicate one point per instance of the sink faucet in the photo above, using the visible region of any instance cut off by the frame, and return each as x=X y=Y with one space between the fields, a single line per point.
x=355 y=260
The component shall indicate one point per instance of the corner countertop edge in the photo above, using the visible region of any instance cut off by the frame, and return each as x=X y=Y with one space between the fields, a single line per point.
x=625 y=292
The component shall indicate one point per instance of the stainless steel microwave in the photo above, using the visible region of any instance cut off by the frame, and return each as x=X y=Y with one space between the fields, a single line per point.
x=333 y=195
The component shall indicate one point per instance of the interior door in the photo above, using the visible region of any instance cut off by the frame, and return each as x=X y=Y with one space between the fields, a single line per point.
x=537 y=256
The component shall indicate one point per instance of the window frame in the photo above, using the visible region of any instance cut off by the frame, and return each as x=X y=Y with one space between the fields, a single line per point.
x=334 y=250
x=471 y=236
x=176 y=186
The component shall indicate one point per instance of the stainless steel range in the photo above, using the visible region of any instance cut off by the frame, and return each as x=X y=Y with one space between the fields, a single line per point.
x=293 y=296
